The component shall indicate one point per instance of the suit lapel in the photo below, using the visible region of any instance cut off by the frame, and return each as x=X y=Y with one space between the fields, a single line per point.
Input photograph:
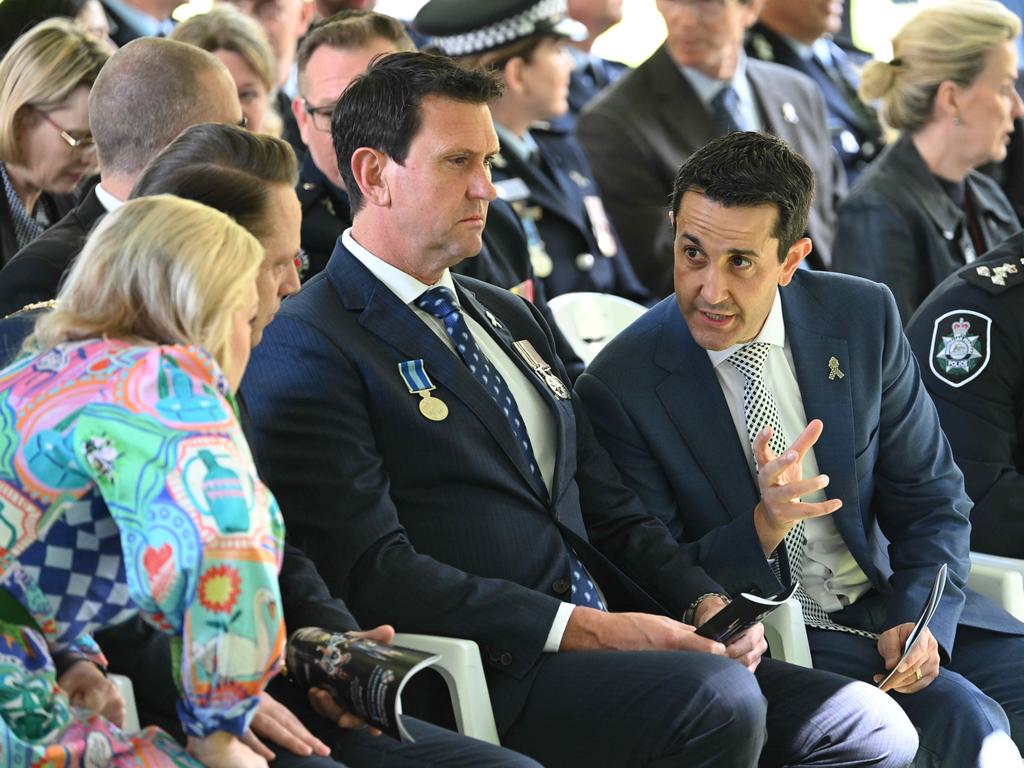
x=681 y=111
x=693 y=400
x=503 y=337
x=828 y=399
x=385 y=316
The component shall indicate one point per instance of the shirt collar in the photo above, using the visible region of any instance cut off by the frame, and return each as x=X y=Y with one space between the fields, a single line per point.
x=524 y=148
x=141 y=22
x=406 y=287
x=707 y=87
x=107 y=200
x=772 y=332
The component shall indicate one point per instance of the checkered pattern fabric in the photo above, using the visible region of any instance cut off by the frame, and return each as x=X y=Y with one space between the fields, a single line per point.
x=440 y=302
x=760 y=411
x=80 y=569
x=502 y=32
x=26 y=227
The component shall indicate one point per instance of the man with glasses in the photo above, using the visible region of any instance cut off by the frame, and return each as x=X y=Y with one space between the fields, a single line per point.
x=330 y=56
x=145 y=95
x=695 y=87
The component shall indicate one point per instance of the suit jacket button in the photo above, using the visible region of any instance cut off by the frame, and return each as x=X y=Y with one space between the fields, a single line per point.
x=506 y=659
x=561 y=586
x=585 y=262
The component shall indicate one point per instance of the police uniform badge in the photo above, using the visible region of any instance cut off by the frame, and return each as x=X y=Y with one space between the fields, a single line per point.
x=961 y=342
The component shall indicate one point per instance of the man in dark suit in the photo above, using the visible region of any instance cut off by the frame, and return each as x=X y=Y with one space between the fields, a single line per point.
x=715 y=381
x=132 y=19
x=418 y=433
x=797 y=34
x=697 y=86
x=145 y=95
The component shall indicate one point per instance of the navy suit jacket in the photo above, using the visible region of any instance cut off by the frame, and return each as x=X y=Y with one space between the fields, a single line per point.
x=436 y=526
x=658 y=408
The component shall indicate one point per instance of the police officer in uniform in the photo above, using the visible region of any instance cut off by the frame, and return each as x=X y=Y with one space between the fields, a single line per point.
x=542 y=171
x=968 y=337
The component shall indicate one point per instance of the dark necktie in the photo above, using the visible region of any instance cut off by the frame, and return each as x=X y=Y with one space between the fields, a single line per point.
x=440 y=302
x=725 y=109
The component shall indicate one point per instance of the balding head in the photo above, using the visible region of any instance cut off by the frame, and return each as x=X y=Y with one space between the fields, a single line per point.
x=149 y=92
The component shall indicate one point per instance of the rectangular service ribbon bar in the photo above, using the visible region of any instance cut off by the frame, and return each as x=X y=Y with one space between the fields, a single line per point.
x=415 y=376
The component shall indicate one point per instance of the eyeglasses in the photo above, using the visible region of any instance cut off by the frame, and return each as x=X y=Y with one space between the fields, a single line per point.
x=321 y=116
x=705 y=9
x=86 y=142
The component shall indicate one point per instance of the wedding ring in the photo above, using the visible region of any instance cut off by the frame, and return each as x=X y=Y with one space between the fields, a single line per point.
x=917 y=674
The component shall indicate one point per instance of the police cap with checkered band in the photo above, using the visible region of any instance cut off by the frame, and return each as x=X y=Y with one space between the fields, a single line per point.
x=469 y=27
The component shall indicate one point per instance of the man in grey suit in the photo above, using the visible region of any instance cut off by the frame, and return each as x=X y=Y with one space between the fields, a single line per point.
x=695 y=87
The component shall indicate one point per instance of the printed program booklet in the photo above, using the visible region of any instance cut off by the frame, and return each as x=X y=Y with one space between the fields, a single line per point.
x=934 y=596
x=744 y=611
x=362 y=676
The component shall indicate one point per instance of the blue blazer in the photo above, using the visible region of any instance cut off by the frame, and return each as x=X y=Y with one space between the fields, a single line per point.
x=658 y=408
x=437 y=527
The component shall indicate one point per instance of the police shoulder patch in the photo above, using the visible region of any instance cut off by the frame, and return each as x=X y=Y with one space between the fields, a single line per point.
x=961 y=343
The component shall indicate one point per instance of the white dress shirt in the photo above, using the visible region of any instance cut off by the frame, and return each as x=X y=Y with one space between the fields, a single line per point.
x=107 y=200
x=532 y=406
x=830 y=575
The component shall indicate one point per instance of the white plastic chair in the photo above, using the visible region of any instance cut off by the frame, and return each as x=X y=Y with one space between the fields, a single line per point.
x=591 y=320
x=131 y=712
x=463 y=673
x=786 y=635
x=1001 y=580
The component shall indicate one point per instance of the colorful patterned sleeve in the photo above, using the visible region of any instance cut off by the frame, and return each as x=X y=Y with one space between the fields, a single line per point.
x=200 y=533
x=83 y=648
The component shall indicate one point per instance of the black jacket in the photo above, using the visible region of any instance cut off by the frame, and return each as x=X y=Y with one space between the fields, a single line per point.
x=34 y=274
x=968 y=337
x=54 y=205
x=899 y=227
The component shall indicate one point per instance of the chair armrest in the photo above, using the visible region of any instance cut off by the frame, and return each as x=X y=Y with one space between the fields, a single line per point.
x=463 y=673
x=786 y=634
x=1000 y=579
x=131 y=712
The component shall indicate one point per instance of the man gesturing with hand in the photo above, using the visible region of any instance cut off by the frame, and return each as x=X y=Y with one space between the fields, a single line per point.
x=774 y=419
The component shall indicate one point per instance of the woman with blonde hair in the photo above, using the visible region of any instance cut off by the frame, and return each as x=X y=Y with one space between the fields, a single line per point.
x=241 y=44
x=921 y=209
x=45 y=145
x=127 y=488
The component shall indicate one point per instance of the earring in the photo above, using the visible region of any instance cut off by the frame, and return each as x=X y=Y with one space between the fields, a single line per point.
x=957 y=121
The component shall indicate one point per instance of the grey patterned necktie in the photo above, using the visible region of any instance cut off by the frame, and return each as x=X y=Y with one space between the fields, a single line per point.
x=760 y=411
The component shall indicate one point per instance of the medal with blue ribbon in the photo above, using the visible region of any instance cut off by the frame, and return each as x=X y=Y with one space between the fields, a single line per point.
x=418 y=382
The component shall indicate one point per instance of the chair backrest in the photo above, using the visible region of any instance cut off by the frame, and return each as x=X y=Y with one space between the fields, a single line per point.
x=591 y=320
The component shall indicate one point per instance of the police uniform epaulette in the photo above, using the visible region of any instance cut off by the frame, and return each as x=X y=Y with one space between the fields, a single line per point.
x=310 y=193
x=995 y=278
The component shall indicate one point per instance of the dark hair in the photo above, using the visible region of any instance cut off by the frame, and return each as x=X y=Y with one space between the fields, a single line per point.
x=348 y=30
x=19 y=16
x=380 y=109
x=225 y=167
x=748 y=169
